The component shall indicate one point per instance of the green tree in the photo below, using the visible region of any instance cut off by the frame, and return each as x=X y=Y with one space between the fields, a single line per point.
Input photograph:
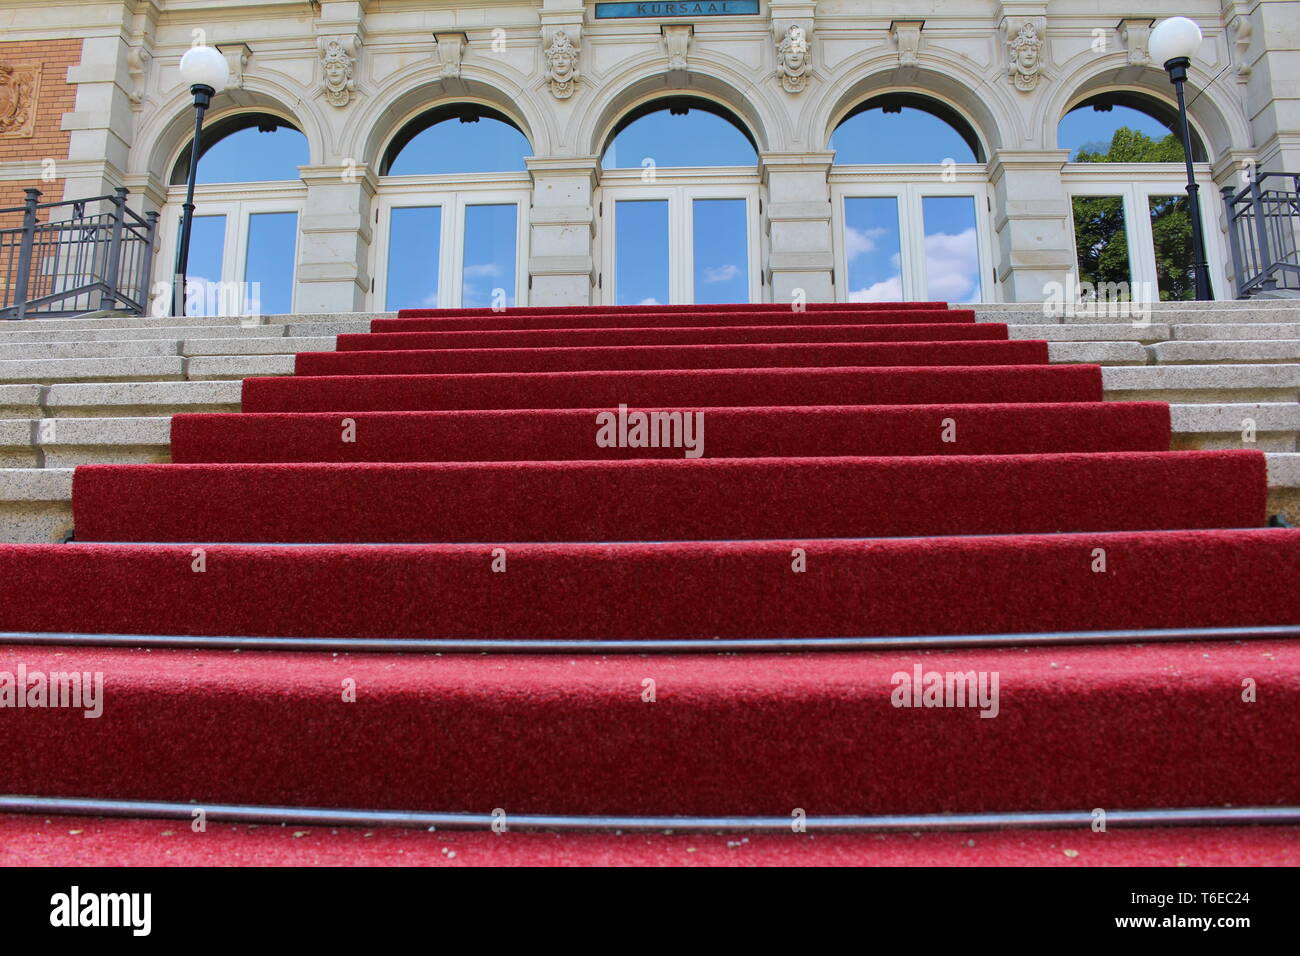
x=1099 y=234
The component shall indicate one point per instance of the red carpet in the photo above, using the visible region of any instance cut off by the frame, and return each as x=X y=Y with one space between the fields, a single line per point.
x=566 y=434
x=827 y=502
x=742 y=735
x=633 y=357
x=81 y=841
x=725 y=589
x=514 y=320
x=669 y=499
x=671 y=388
x=869 y=310
x=722 y=335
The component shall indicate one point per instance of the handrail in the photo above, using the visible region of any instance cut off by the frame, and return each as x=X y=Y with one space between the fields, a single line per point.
x=1264 y=233
x=78 y=262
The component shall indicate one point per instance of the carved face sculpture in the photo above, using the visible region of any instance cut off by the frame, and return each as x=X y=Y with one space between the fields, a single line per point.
x=561 y=57
x=1024 y=50
x=336 y=67
x=794 y=51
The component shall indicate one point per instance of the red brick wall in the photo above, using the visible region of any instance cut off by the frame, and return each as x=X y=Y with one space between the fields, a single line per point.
x=54 y=97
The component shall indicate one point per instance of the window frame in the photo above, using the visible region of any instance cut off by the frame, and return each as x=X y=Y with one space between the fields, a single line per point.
x=680 y=186
x=1135 y=183
x=910 y=185
x=237 y=202
x=453 y=194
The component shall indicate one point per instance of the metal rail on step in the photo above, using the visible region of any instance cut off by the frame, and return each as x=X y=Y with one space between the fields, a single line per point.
x=324 y=816
x=415 y=645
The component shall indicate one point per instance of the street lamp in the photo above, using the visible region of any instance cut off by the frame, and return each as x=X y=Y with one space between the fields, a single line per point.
x=1174 y=42
x=207 y=72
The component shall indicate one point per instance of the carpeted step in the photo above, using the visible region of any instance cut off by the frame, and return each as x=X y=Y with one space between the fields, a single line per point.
x=685 y=590
x=562 y=434
x=1113 y=727
x=657 y=500
x=676 y=388
x=487 y=320
x=720 y=335
x=97 y=841
x=730 y=308
x=634 y=357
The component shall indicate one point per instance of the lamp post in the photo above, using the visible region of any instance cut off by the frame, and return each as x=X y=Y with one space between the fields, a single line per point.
x=207 y=72
x=1174 y=42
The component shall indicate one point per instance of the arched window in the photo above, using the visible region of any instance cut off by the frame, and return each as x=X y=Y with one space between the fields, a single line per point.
x=245 y=148
x=906 y=236
x=679 y=220
x=1124 y=127
x=1132 y=231
x=243 y=243
x=448 y=242
x=456 y=138
x=903 y=128
x=679 y=131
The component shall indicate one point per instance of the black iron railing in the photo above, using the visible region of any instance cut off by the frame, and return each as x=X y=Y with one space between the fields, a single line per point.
x=1263 y=228
x=83 y=255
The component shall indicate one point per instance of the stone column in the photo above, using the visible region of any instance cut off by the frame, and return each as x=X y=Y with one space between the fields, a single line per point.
x=335 y=230
x=1264 y=40
x=561 y=230
x=100 y=127
x=797 y=221
x=1032 y=222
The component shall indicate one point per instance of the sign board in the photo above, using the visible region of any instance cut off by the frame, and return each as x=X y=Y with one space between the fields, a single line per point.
x=675 y=8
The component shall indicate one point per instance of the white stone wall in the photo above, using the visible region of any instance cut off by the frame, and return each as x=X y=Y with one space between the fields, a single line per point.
x=133 y=115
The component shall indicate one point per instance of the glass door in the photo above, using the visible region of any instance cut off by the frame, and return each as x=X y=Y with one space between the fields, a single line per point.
x=676 y=244
x=904 y=241
x=242 y=261
x=1133 y=239
x=450 y=250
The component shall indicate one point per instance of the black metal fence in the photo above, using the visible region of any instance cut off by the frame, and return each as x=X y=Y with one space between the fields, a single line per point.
x=80 y=256
x=1263 y=228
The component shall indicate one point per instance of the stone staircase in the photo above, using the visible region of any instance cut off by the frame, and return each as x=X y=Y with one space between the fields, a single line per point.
x=104 y=388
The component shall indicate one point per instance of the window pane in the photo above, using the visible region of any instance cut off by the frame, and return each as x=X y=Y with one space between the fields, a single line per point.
x=692 y=138
x=952 y=261
x=1100 y=239
x=641 y=252
x=272 y=249
x=872 y=249
x=203 y=270
x=1171 y=232
x=248 y=156
x=414 y=245
x=721 y=250
x=450 y=146
x=1120 y=134
x=906 y=135
x=488 y=277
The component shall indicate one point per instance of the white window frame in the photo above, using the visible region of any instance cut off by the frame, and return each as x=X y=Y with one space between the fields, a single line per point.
x=909 y=185
x=680 y=187
x=1135 y=183
x=453 y=194
x=237 y=202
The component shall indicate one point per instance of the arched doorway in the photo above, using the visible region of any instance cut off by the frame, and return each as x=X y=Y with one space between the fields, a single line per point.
x=911 y=203
x=248 y=197
x=1127 y=184
x=450 y=219
x=679 y=206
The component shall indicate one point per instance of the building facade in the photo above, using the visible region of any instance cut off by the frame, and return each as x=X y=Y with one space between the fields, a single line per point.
x=93 y=100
